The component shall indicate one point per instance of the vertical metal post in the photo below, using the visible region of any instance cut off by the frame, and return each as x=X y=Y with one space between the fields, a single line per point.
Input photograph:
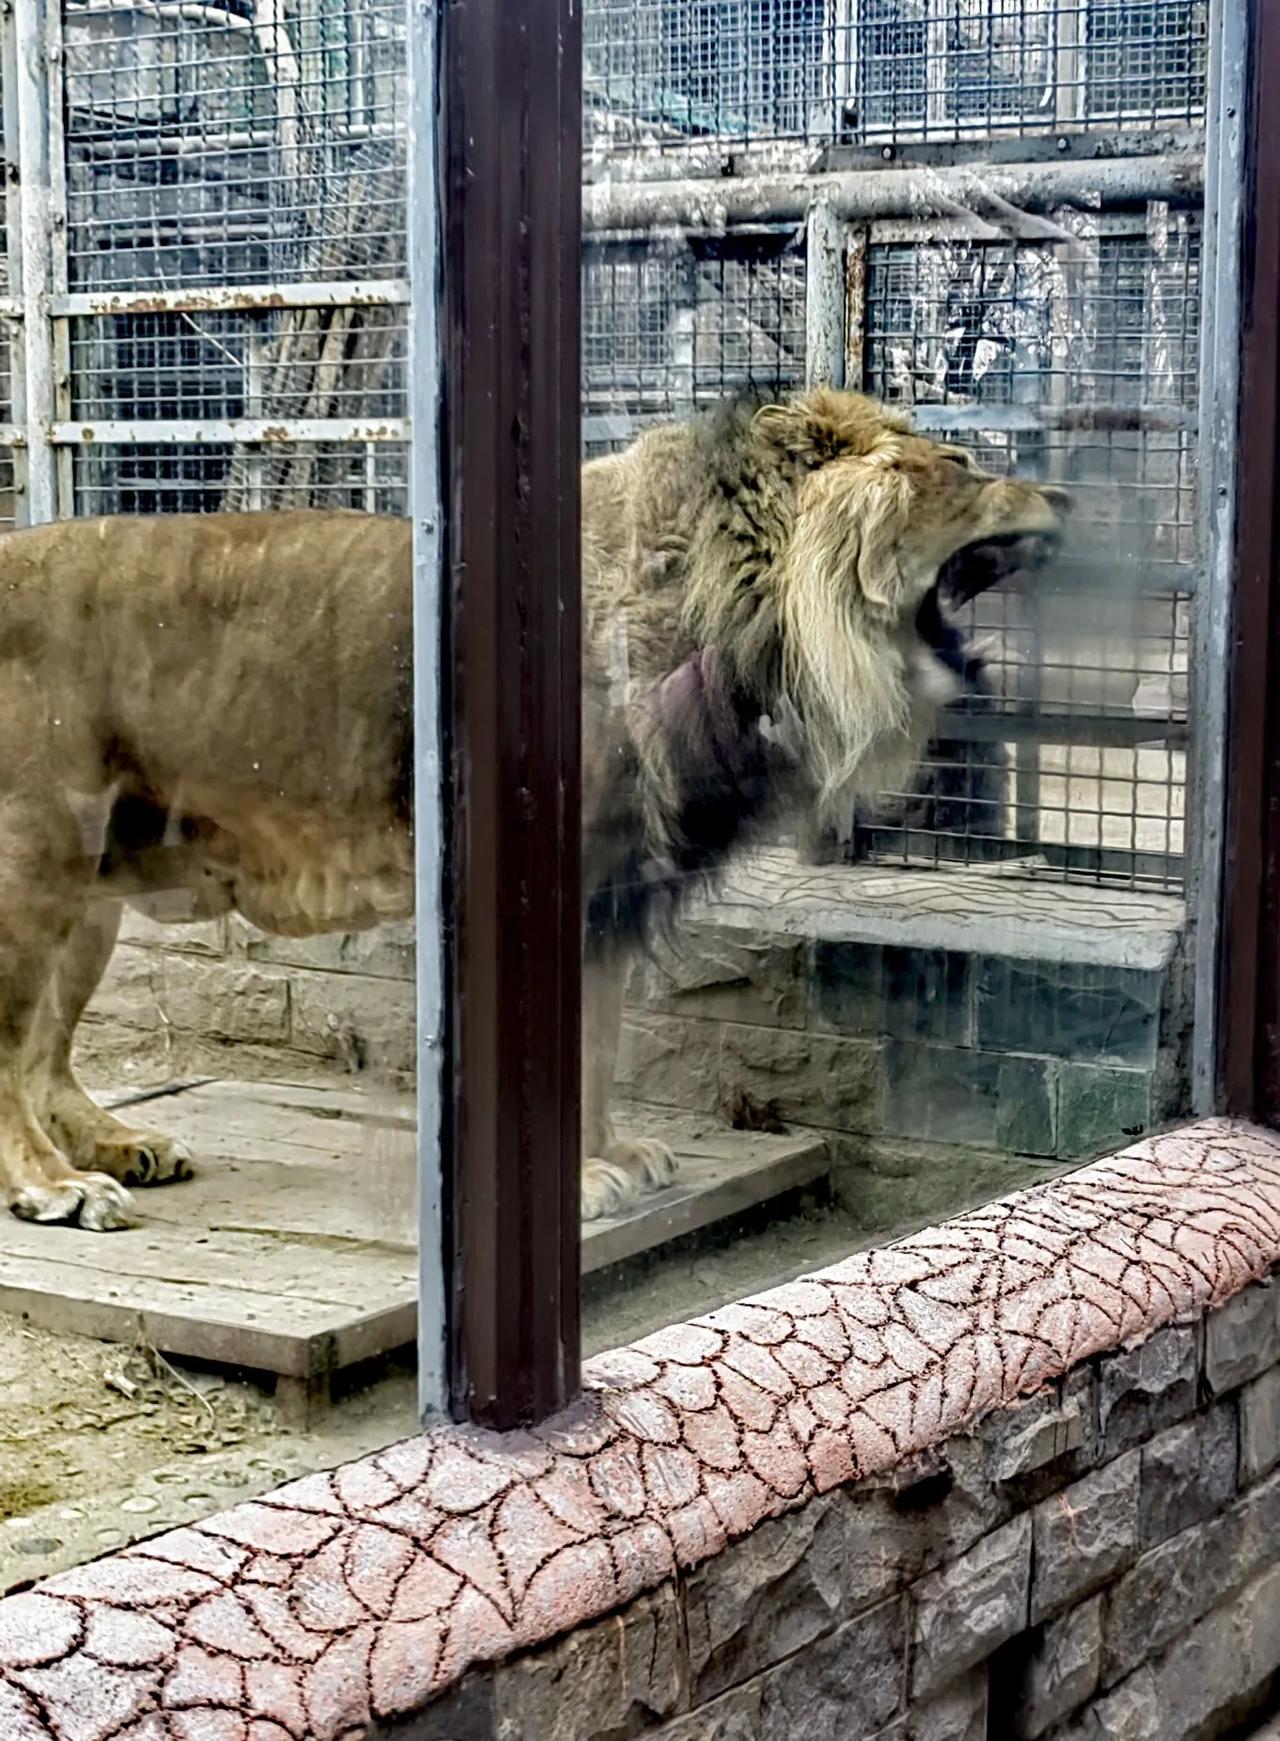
x=512 y=110
x=1210 y=660
x=41 y=229
x=826 y=296
x=426 y=508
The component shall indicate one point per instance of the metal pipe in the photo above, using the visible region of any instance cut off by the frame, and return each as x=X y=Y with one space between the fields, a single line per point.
x=890 y=193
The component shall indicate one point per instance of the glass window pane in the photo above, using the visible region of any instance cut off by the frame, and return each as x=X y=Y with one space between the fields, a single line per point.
x=216 y=754
x=887 y=842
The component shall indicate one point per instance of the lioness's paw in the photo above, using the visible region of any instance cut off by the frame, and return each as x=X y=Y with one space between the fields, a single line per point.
x=143 y=1158
x=93 y=1201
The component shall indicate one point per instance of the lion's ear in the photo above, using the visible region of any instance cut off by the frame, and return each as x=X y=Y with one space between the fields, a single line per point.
x=820 y=426
x=880 y=501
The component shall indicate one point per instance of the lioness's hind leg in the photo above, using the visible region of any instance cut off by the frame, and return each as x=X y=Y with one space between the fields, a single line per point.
x=616 y=1172
x=93 y=1140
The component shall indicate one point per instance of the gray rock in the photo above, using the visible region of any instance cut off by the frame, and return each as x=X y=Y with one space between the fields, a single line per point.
x=959 y=1713
x=811 y=1078
x=1188 y=1474
x=770 y=1595
x=727 y=975
x=947 y=1094
x=882 y=990
x=1242 y=1339
x=1101 y=1110
x=1142 y=1389
x=1061 y=1670
x=1260 y=1427
x=1084 y=1011
x=1171 y=1587
x=1085 y=1535
x=604 y=1679
x=967 y=1609
x=850 y=1683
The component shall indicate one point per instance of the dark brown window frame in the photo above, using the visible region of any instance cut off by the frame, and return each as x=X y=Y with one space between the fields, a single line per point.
x=511 y=166
x=1248 y=1051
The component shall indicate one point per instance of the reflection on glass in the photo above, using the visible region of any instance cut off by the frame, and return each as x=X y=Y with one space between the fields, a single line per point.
x=890 y=985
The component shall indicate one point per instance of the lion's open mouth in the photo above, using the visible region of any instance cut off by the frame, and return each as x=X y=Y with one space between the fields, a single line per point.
x=988 y=561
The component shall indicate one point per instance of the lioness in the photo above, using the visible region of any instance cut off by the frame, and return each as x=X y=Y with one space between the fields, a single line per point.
x=206 y=714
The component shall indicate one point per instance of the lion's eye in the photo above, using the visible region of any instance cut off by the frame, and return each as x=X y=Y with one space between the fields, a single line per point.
x=956 y=458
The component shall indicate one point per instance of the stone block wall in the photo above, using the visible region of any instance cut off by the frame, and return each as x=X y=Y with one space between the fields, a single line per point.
x=1099 y=1563
x=984 y=1015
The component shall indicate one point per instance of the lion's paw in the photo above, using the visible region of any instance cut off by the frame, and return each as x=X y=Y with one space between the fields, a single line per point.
x=93 y=1201
x=628 y=1171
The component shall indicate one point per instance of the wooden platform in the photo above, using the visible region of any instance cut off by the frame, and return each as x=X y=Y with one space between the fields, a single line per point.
x=293 y=1251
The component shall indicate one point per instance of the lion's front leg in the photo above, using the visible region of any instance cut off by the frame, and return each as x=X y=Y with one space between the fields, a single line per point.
x=92 y=1139
x=616 y=1171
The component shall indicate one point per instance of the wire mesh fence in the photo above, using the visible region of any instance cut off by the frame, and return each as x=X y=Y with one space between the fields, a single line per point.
x=229 y=322
x=666 y=73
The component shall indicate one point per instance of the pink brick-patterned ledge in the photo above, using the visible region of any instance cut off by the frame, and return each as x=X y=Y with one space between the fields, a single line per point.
x=361 y=1594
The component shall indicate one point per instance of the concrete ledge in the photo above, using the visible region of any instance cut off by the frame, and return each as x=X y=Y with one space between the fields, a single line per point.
x=353 y=1598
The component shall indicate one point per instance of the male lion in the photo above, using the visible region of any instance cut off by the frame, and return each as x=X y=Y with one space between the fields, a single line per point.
x=203 y=714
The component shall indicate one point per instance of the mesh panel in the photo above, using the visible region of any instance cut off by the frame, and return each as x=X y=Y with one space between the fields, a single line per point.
x=671 y=72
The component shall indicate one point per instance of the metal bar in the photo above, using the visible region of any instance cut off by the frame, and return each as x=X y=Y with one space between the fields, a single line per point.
x=826 y=242
x=180 y=431
x=1210 y=653
x=888 y=193
x=37 y=35
x=1113 y=731
x=1248 y=1048
x=512 y=167
x=237 y=298
x=427 y=510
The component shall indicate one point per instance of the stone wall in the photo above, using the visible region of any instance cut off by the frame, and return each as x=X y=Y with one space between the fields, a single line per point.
x=1015 y=1476
x=1100 y=1563
x=980 y=1014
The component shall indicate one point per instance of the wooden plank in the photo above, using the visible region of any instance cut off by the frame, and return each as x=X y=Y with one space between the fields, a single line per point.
x=293 y=1250
x=711 y=1188
x=200 y=1322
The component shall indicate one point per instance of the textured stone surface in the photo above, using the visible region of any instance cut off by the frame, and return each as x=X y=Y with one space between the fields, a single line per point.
x=1039 y=1432
x=1260 y=1427
x=876 y=990
x=766 y=1597
x=958 y=1713
x=361 y=1593
x=848 y=1684
x=363 y=1023
x=1085 y=1535
x=669 y=1062
x=811 y=1078
x=1099 y=1108
x=1243 y=1339
x=1148 y=1387
x=1072 y=1009
x=1212 y=1677
x=1061 y=1671
x=1176 y=1583
x=1188 y=1474
x=968 y=1609
x=947 y=1094
x=602 y=1679
x=729 y=976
